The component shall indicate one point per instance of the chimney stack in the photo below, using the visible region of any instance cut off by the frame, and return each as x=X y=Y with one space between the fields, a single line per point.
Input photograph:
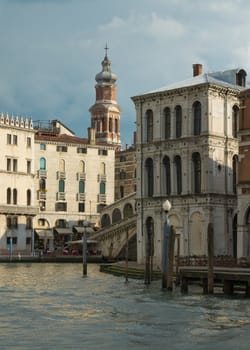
x=197 y=69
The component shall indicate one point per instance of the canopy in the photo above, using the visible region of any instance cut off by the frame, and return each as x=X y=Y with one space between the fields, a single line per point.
x=63 y=231
x=80 y=229
x=45 y=234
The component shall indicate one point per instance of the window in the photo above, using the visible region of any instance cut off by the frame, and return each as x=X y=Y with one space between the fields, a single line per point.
x=167 y=123
x=8 y=164
x=122 y=158
x=166 y=175
x=14 y=139
x=110 y=125
x=42 y=185
x=102 y=152
x=81 y=207
x=14 y=165
x=28 y=240
x=177 y=162
x=41 y=222
x=28 y=141
x=235 y=116
x=122 y=175
x=61 y=206
x=8 y=196
x=14 y=240
x=42 y=205
x=102 y=188
x=116 y=126
x=82 y=166
x=103 y=168
x=61 y=186
x=61 y=223
x=28 y=197
x=15 y=196
x=42 y=146
x=81 y=150
x=9 y=139
x=12 y=222
x=28 y=223
x=42 y=163
x=62 y=148
x=149 y=125
x=197 y=172
x=178 y=121
x=62 y=165
x=197 y=118
x=149 y=177
x=121 y=191
x=235 y=171
x=28 y=166
x=81 y=186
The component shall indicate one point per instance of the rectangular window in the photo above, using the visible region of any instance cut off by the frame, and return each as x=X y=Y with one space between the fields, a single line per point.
x=42 y=146
x=61 y=206
x=8 y=164
x=28 y=166
x=28 y=141
x=81 y=150
x=11 y=222
x=102 y=152
x=14 y=139
x=28 y=240
x=9 y=139
x=62 y=148
x=14 y=165
x=81 y=207
x=41 y=222
x=14 y=240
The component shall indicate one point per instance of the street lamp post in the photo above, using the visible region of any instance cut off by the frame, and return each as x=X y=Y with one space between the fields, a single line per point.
x=165 y=245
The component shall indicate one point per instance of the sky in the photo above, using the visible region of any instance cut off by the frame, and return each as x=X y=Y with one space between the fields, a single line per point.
x=51 y=50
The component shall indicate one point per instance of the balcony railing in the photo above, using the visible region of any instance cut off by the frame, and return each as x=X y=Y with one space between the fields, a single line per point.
x=81 y=176
x=41 y=194
x=101 y=178
x=101 y=198
x=42 y=173
x=80 y=197
x=60 y=196
x=61 y=175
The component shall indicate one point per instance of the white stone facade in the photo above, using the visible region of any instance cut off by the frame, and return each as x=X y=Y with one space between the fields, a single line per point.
x=186 y=153
x=18 y=206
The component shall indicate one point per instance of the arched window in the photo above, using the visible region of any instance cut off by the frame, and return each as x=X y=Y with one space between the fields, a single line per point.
x=197 y=172
x=42 y=184
x=105 y=220
x=149 y=125
x=28 y=223
x=102 y=188
x=28 y=197
x=116 y=215
x=110 y=125
x=61 y=186
x=149 y=177
x=62 y=165
x=197 y=117
x=15 y=196
x=81 y=186
x=166 y=175
x=167 y=123
x=177 y=162
x=116 y=126
x=82 y=166
x=178 y=121
x=235 y=118
x=42 y=163
x=8 y=196
x=128 y=210
x=235 y=171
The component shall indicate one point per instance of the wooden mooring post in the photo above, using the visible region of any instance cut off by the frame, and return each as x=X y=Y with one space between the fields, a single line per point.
x=210 y=246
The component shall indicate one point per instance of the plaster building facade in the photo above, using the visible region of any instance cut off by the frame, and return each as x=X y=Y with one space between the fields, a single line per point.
x=187 y=152
x=18 y=205
x=242 y=224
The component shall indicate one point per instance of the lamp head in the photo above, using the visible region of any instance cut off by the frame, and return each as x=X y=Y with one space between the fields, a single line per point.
x=166 y=206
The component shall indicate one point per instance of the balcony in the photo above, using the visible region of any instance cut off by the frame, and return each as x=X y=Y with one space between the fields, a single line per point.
x=101 y=178
x=81 y=176
x=18 y=210
x=80 y=197
x=101 y=198
x=60 y=175
x=41 y=194
x=60 y=196
x=42 y=174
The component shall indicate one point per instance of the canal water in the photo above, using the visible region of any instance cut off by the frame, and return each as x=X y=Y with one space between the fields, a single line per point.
x=51 y=306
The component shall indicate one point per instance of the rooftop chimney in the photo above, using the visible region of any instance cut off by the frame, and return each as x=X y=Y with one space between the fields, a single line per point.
x=197 y=69
x=91 y=136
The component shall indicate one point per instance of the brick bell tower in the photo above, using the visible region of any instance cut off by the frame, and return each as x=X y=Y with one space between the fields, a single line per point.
x=105 y=113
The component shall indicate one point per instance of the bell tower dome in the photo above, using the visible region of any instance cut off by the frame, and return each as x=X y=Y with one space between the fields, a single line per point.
x=105 y=113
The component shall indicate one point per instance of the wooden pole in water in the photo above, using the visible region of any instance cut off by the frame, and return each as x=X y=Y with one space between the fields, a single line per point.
x=210 y=246
x=170 y=270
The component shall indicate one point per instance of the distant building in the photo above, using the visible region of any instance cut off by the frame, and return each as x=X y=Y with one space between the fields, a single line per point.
x=187 y=152
x=242 y=225
x=18 y=204
x=125 y=172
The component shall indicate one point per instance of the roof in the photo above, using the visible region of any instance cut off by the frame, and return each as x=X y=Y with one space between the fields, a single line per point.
x=45 y=234
x=225 y=78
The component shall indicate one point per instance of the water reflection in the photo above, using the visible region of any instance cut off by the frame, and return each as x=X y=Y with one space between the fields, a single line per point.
x=50 y=306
